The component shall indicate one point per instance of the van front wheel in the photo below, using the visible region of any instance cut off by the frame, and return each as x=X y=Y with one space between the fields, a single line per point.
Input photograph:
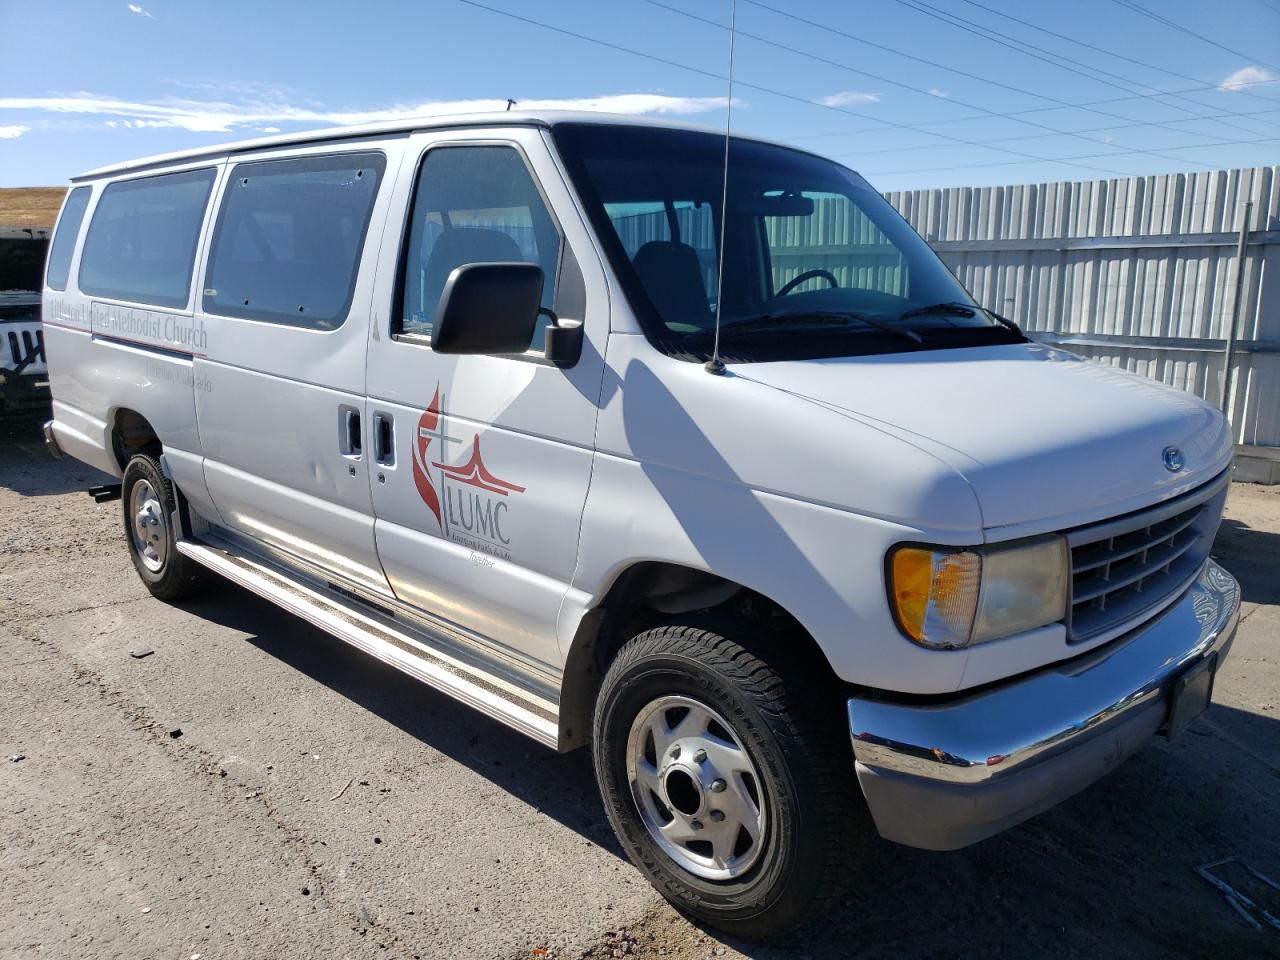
x=722 y=778
x=148 y=500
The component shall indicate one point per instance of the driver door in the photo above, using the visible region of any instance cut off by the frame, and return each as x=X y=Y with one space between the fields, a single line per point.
x=482 y=463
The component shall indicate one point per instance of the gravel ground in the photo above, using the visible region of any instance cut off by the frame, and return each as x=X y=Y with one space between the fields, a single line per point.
x=256 y=789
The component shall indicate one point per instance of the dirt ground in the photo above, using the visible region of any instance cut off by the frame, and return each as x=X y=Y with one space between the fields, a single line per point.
x=255 y=789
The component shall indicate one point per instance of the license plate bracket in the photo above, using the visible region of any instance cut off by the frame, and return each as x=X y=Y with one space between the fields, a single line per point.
x=1191 y=694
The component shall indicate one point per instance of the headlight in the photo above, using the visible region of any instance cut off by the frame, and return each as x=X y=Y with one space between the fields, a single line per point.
x=949 y=598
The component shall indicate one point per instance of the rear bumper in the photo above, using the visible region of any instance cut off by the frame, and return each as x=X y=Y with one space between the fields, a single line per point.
x=943 y=776
x=81 y=436
x=51 y=441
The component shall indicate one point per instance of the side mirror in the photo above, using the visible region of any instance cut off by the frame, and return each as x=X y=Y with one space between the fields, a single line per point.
x=488 y=308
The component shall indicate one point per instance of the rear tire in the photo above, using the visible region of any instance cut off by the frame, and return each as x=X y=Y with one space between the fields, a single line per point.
x=148 y=506
x=695 y=732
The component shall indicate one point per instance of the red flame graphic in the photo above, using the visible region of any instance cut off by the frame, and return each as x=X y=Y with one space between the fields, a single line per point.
x=429 y=420
x=473 y=472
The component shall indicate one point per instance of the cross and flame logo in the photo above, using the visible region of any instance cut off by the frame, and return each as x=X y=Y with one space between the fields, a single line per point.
x=473 y=473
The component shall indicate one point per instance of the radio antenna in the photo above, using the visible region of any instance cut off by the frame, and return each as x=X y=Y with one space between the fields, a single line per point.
x=715 y=364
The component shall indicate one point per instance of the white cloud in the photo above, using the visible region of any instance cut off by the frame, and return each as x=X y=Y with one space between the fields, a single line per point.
x=249 y=89
x=211 y=116
x=847 y=98
x=12 y=132
x=134 y=8
x=935 y=92
x=270 y=129
x=1246 y=76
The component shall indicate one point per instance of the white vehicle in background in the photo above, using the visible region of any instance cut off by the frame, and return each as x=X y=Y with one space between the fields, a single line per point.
x=440 y=387
x=24 y=382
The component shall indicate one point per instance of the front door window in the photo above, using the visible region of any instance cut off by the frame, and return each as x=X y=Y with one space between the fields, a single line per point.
x=473 y=204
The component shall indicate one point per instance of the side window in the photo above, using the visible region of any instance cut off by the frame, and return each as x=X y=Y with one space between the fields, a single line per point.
x=287 y=245
x=64 y=238
x=141 y=244
x=836 y=236
x=473 y=205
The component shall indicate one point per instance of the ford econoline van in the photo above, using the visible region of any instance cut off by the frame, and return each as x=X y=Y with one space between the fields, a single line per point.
x=449 y=389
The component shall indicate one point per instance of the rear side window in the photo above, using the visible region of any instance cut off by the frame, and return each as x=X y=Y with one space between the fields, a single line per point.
x=473 y=205
x=141 y=244
x=289 y=236
x=64 y=238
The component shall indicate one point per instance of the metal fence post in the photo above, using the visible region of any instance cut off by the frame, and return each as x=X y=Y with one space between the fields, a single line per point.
x=1228 y=402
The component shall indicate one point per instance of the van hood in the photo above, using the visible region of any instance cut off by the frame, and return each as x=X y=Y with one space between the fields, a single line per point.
x=1046 y=439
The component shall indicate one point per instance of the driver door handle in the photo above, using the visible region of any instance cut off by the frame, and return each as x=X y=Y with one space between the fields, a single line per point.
x=384 y=439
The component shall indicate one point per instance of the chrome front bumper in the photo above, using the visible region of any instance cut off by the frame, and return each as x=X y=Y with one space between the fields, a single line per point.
x=942 y=776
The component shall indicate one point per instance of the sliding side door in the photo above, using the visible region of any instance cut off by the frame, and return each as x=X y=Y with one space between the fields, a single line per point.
x=280 y=391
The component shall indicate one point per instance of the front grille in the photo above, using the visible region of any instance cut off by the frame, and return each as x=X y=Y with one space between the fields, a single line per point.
x=1123 y=568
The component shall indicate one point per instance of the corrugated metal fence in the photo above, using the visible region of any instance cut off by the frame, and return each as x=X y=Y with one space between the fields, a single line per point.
x=1144 y=273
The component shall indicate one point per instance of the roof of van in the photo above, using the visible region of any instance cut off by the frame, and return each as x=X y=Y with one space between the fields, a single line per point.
x=493 y=118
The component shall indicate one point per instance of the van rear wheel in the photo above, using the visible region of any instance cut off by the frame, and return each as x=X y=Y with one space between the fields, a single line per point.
x=148 y=505
x=724 y=781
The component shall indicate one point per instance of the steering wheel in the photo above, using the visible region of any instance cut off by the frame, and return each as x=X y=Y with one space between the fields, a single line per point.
x=807 y=275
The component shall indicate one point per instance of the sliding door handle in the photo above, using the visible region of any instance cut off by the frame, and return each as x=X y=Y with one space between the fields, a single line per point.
x=350 y=434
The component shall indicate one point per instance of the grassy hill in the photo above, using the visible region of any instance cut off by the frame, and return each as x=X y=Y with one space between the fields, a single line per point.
x=30 y=206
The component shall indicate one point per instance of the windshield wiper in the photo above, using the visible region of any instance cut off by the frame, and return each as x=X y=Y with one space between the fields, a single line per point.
x=940 y=309
x=963 y=310
x=1005 y=322
x=825 y=317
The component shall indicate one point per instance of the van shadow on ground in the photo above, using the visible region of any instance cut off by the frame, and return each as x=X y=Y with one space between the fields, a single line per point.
x=23 y=423
x=562 y=786
x=28 y=469
x=1109 y=873
x=1253 y=557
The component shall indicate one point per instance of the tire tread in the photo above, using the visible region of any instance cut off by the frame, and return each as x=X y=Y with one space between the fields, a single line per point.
x=182 y=577
x=786 y=703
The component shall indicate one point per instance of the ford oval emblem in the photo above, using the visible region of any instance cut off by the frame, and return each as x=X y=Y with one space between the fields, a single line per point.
x=1173 y=459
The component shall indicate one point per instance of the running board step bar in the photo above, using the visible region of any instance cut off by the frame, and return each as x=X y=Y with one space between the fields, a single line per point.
x=410 y=652
x=105 y=493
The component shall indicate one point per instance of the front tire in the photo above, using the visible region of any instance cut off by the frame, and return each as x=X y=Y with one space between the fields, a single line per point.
x=148 y=506
x=724 y=779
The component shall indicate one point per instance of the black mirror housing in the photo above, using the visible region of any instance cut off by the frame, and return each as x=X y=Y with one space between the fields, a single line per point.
x=488 y=308
x=562 y=345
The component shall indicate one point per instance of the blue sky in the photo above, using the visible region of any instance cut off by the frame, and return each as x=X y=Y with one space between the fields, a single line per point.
x=913 y=93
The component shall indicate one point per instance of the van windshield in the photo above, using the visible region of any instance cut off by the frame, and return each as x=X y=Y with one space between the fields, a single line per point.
x=817 y=264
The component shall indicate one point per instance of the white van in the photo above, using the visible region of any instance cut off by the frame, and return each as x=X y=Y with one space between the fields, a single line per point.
x=442 y=388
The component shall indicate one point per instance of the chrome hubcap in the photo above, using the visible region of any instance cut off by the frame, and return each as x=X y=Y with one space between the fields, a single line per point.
x=696 y=788
x=150 y=529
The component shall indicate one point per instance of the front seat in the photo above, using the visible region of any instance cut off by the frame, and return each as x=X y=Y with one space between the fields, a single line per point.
x=457 y=246
x=672 y=276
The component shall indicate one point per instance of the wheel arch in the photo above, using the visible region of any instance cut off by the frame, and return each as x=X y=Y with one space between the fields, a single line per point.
x=645 y=594
x=130 y=432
